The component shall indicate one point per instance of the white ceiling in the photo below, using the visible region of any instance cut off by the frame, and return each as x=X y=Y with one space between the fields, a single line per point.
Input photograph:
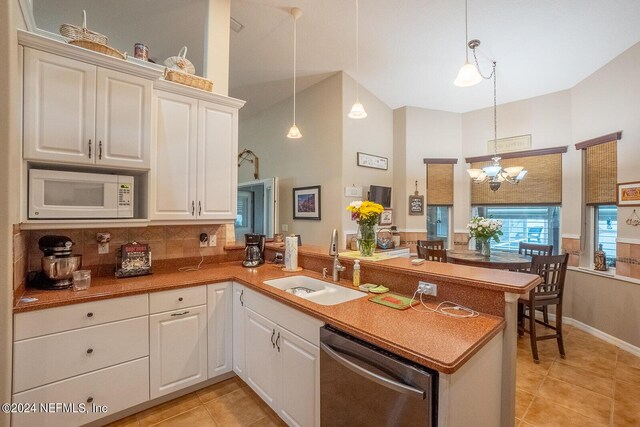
x=411 y=50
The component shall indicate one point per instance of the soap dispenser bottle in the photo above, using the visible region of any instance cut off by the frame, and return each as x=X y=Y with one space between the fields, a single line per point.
x=356 y=273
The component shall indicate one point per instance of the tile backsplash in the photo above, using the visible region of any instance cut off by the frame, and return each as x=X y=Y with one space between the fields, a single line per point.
x=166 y=242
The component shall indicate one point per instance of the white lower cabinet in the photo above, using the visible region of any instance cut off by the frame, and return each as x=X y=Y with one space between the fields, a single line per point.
x=280 y=366
x=238 y=330
x=219 y=328
x=177 y=350
x=101 y=393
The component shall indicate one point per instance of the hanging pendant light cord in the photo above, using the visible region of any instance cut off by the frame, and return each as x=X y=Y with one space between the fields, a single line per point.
x=295 y=34
x=495 y=111
x=466 y=33
x=357 y=51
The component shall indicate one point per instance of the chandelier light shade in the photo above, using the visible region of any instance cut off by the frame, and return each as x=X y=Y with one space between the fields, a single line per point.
x=294 y=132
x=357 y=110
x=494 y=174
x=468 y=74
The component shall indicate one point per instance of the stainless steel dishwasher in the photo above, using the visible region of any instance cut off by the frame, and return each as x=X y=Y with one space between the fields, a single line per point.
x=364 y=385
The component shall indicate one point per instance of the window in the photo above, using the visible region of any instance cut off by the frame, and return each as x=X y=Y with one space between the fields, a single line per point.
x=606 y=231
x=438 y=223
x=529 y=224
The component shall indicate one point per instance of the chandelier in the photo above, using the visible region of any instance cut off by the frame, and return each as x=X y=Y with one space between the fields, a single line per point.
x=494 y=174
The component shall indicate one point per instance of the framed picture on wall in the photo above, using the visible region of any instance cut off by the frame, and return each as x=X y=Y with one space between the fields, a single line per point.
x=306 y=203
x=371 y=161
x=629 y=194
x=386 y=217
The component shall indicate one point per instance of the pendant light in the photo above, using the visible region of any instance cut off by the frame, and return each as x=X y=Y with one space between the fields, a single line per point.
x=357 y=110
x=494 y=174
x=294 y=132
x=468 y=74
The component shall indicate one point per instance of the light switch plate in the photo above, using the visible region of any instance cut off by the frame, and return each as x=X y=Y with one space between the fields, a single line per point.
x=103 y=248
x=213 y=240
x=285 y=227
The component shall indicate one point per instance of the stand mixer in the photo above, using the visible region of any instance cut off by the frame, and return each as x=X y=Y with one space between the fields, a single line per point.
x=58 y=264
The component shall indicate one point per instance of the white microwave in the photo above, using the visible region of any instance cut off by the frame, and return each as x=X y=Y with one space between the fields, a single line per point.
x=76 y=195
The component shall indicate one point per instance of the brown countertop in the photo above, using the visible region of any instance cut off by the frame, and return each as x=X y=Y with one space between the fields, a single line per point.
x=433 y=340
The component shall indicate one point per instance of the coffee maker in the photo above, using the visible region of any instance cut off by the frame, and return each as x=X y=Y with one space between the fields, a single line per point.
x=254 y=250
x=58 y=264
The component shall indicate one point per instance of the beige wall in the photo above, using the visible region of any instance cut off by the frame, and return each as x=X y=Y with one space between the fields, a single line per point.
x=371 y=135
x=315 y=159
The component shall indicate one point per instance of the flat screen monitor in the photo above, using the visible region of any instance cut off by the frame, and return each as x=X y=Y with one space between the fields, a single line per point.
x=381 y=195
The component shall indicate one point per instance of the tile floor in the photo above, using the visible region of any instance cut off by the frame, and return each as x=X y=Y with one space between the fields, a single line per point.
x=597 y=384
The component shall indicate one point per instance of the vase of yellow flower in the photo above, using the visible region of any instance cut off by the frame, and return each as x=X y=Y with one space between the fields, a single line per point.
x=366 y=214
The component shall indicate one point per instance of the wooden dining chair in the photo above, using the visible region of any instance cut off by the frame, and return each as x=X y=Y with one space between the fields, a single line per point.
x=553 y=270
x=534 y=249
x=431 y=244
x=438 y=255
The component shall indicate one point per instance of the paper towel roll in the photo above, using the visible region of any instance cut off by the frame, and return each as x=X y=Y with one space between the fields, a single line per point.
x=291 y=253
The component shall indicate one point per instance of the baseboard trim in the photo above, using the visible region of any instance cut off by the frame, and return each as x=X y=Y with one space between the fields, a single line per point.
x=599 y=334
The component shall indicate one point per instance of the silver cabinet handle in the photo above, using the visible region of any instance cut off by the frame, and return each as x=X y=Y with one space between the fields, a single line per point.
x=193 y=208
x=199 y=208
x=383 y=381
x=179 y=314
x=278 y=342
x=273 y=333
x=100 y=150
x=241 y=298
x=89 y=148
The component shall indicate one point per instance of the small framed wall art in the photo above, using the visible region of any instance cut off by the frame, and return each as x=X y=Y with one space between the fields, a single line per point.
x=371 y=161
x=386 y=217
x=629 y=194
x=306 y=202
x=416 y=205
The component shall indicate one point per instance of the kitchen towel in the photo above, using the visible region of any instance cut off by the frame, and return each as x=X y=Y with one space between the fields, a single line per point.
x=291 y=253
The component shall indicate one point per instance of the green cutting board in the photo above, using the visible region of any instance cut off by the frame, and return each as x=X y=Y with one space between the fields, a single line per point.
x=398 y=302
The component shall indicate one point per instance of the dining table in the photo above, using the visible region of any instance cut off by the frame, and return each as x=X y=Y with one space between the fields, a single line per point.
x=497 y=259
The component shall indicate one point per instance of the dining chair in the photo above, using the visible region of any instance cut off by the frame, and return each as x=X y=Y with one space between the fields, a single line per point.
x=438 y=255
x=553 y=270
x=431 y=244
x=535 y=249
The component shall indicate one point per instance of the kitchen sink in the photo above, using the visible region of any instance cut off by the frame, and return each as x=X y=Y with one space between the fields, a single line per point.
x=315 y=290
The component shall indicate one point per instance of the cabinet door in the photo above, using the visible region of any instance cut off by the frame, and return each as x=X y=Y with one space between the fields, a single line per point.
x=59 y=108
x=174 y=147
x=217 y=161
x=299 y=403
x=261 y=363
x=123 y=125
x=219 y=328
x=238 y=330
x=178 y=350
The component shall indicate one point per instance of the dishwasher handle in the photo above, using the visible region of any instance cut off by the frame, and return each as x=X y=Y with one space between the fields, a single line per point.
x=385 y=382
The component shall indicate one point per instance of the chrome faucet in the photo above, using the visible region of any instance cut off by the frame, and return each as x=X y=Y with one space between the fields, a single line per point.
x=333 y=251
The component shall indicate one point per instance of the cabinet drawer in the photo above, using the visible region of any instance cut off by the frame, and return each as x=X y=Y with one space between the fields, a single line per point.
x=177 y=299
x=117 y=387
x=43 y=360
x=50 y=321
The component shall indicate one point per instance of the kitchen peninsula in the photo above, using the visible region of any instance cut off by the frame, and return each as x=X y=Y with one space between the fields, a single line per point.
x=469 y=354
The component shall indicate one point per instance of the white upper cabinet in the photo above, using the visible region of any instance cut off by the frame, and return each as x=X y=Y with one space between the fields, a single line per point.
x=173 y=169
x=59 y=108
x=78 y=113
x=123 y=126
x=194 y=167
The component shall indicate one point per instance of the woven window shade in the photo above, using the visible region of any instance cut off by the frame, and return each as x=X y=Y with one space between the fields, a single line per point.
x=601 y=173
x=541 y=186
x=440 y=184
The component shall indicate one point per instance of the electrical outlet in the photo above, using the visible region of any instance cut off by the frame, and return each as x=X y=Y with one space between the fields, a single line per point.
x=213 y=240
x=285 y=227
x=427 y=288
x=103 y=248
x=204 y=240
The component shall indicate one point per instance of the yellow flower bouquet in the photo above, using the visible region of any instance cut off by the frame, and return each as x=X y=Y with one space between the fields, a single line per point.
x=366 y=214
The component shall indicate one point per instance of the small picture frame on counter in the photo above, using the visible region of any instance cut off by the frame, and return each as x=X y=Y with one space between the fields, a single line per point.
x=386 y=217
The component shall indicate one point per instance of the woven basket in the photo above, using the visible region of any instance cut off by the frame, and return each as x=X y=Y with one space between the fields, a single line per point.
x=98 y=47
x=188 y=80
x=74 y=32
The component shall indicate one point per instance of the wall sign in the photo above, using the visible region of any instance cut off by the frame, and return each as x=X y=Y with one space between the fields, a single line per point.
x=371 y=161
x=416 y=205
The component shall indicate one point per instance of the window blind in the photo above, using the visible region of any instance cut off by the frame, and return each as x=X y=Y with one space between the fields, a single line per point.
x=439 y=184
x=601 y=173
x=541 y=186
